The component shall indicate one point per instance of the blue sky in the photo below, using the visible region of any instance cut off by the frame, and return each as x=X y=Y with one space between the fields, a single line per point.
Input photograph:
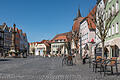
x=43 y=19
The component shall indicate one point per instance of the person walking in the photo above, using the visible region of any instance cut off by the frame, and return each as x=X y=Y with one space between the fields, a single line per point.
x=85 y=56
x=106 y=53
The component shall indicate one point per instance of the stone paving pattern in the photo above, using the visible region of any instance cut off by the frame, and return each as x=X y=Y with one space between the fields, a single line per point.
x=38 y=68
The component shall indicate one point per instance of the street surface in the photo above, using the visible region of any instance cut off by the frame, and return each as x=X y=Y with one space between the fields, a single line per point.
x=38 y=68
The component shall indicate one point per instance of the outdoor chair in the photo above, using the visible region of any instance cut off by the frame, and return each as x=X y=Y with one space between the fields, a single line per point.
x=110 y=63
x=97 y=63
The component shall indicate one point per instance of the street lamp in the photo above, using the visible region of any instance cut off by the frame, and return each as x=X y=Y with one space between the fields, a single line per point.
x=80 y=45
x=90 y=48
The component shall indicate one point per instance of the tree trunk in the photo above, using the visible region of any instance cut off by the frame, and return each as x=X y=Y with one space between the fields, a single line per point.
x=103 y=49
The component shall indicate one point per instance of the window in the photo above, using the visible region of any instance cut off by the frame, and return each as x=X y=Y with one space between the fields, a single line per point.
x=117 y=27
x=117 y=6
x=87 y=35
x=106 y=14
x=109 y=32
x=109 y=12
x=112 y=29
x=113 y=9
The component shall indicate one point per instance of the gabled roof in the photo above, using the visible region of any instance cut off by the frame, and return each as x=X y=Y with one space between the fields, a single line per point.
x=91 y=25
x=46 y=42
x=61 y=36
x=20 y=30
x=90 y=18
x=77 y=21
x=24 y=34
x=93 y=11
x=76 y=24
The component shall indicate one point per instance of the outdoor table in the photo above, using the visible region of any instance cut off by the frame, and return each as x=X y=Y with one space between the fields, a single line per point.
x=110 y=62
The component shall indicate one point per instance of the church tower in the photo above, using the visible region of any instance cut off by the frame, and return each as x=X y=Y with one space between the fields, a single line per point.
x=78 y=14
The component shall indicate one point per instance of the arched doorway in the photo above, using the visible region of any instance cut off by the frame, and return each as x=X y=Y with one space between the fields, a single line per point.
x=39 y=53
x=115 y=51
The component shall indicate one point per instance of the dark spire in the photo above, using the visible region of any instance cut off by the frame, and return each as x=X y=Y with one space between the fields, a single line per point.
x=78 y=13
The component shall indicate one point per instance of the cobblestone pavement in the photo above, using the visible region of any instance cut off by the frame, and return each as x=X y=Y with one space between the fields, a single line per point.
x=38 y=68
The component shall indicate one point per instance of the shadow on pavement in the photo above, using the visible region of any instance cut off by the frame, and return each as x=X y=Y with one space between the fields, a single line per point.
x=4 y=59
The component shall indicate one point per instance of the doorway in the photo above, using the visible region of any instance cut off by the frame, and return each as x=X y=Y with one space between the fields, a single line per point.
x=115 y=51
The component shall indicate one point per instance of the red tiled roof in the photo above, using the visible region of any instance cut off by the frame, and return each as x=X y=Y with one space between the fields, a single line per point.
x=44 y=42
x=16 y=29
x=50 y=41
x=24 y=34
x=90 y=18
x=76 y=24
x=93 y=11
x=61 y=36
x=20 y=31
x=91 y=25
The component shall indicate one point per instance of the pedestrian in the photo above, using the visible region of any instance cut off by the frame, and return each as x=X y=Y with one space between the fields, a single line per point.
x=85 y=56
x=105 y=53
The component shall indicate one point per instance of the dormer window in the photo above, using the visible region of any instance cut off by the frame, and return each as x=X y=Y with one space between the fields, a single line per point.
x=113 y=9
x=109 y=12
x=117 y=6
x=117 y=27
x=106 y=14
x=109 y=32
x=112 y=29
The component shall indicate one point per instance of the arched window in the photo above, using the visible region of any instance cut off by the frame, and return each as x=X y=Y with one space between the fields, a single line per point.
x=109 y=32
x=109 y=12
x=106 y=14
x=117 y=27
x=112 y=29
x=117 y=6
x=113 y=9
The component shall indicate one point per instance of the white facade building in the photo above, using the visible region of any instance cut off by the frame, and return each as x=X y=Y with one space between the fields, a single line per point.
x=100 y=8
x=40 y=49
x=58 y=48
x=87 y=35
x=58 y=45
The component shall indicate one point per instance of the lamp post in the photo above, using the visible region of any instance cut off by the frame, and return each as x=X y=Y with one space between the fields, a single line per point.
x=80 y=46
x=90 y=51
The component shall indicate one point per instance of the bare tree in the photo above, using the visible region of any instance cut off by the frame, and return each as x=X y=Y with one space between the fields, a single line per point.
x=102 y=22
